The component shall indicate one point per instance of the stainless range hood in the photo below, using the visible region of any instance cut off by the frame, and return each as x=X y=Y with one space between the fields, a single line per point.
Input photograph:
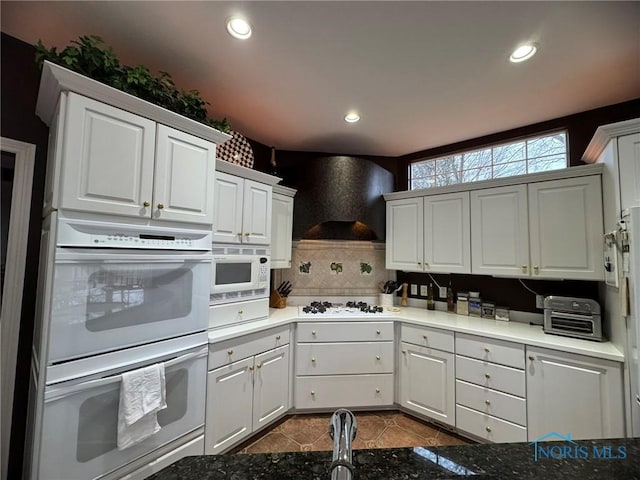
x=340 y=198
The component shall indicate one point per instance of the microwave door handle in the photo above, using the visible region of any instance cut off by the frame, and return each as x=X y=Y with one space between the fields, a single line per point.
x=572 y=316
x=62 y=392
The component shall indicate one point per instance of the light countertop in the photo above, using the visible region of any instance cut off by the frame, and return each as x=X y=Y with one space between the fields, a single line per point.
x=511 y=331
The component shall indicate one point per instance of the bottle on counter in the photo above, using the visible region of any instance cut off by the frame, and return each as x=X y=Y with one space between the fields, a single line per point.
x=431 y=304
x=450 y=305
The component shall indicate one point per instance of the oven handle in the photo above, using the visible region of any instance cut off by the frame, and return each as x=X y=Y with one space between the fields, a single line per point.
x=571 y=316
x=57 y=393
x=137 y=257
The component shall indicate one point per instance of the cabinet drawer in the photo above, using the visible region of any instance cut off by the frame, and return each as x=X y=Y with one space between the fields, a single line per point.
x=427 y=337
x=238 y=312
x=344 y=391
x=235 y=349
x=490 y=375
x=344 y=358
x=345 y=331
x=490 y=350
x=491 y=402
x=487 y=427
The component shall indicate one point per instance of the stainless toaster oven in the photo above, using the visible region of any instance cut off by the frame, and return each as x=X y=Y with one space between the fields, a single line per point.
x=573 y=317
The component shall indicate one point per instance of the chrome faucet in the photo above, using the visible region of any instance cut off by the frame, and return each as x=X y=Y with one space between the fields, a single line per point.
x=343 y=431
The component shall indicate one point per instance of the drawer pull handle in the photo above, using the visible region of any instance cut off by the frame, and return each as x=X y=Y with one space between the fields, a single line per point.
x=313 y=332
x=277 y=337
x=313 y=360
x=377 y=390
x=377 y=357
x=487 y=375
x=312 y=392
x=532 y=358
x=487 y=402
x=486 y=349
x=488 y=429
x=259 y=365
x=240 y=312
x=425 y=337
x=229 y=352
x=377 y=332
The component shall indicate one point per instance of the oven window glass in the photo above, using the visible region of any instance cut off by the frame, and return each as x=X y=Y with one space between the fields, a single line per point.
x=121 y=297
x=231 y=273
x=98 y=416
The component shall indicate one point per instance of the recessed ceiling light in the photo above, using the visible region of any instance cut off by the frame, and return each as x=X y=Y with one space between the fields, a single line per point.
x=351 y=117
x=523 y=52
x=239 y=28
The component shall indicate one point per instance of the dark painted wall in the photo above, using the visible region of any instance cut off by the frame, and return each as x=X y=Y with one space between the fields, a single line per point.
x=20 y=81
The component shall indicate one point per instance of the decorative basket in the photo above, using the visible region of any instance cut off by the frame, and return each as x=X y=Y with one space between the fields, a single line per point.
x=236 y=150
x=277 y=301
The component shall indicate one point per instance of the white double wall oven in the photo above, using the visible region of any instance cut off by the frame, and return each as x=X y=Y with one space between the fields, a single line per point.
x=116 y=297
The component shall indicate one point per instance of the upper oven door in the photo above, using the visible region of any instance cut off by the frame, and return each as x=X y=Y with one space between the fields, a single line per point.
x=104 y=301
x=236 y=273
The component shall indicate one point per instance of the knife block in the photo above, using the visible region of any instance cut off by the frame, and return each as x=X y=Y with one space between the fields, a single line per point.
x=277 y=301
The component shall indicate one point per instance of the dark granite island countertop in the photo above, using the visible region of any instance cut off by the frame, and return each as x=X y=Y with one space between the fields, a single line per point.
x=599 y=459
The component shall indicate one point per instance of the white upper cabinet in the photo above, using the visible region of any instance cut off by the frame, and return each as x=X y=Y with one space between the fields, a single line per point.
x=565 y=222
x=242 y=210
x=115 y=162
x=629 y=161
x=550 y=229
x=281 y=230
x=184 y=177
x=500 y=231
x=447 y=234
x=404 y=243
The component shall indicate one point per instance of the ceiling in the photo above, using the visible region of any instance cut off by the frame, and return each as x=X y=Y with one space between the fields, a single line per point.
x=420 y=74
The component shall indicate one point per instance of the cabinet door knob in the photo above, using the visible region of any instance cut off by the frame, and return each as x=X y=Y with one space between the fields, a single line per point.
x=377 y=390
x=313 y=332
x=247 y=234
x=425 y=337
x=419 y=263
x=313 y=360
x=404 y=351
x=486 y=375
x=536 y=269
x=488 y=429
x=532 y=358
x=146 y=204
x=229 y=352
x=377 y=357
x=251 y=368
x=160 y=206
x=426 y=264
x=240 y=312
x=486 y=349
x=312 y=392
x=277 y=337
x=239 y=234
x=524 y=268
x=487 y=402
x=259 y=365
x=377 y=332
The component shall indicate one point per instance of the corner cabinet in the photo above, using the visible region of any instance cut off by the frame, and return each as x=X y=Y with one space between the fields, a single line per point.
x=242 y=205
x=569 y=393
x=281 y=226
x=111 y=161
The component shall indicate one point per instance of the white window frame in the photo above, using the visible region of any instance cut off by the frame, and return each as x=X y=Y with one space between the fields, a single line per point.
x=490 y=169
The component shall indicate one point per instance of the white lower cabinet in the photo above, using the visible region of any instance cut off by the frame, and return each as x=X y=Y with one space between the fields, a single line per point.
x=247 y=394
x=334 y=369
x=490 y=389
x=427 y=382
x=569 y=393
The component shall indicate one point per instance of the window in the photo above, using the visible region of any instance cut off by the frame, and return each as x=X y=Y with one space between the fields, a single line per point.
x=529 y=155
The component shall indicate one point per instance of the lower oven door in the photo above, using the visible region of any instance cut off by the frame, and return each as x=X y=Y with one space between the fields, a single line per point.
x=105 y=301
x=80 y=418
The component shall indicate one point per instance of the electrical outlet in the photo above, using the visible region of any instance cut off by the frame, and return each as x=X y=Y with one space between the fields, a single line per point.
x=443 y=292
x=414 y=289
x=539 y=301
x=423 y=291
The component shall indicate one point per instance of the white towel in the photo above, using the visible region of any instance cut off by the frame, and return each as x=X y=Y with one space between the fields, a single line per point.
x=142 y=396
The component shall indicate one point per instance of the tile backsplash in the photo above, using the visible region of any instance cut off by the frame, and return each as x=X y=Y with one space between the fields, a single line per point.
x=335 y=267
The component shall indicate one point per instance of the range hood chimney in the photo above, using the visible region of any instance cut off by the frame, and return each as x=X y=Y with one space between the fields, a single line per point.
x=340 y=198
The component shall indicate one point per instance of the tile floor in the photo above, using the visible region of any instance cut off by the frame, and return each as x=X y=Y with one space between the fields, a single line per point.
x=310 y=432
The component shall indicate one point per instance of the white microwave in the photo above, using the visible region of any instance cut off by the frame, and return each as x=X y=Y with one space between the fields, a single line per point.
x=239 y=273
